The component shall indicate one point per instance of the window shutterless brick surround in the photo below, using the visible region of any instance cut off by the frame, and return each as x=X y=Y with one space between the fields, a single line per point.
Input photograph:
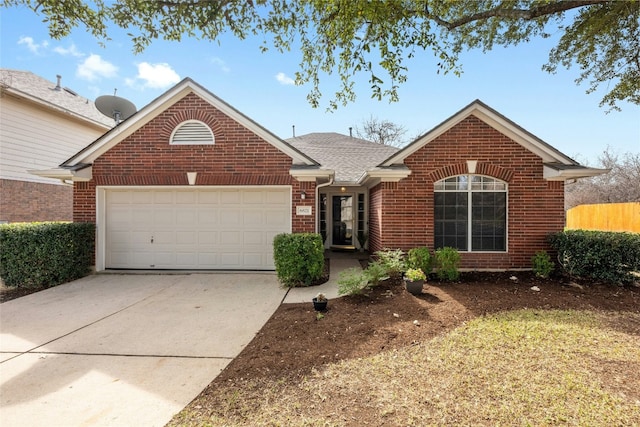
x=238 y=157
x=401 y=214
x=23 y=201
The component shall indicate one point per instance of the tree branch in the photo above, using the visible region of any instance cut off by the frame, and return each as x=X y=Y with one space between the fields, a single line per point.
x=527 y=14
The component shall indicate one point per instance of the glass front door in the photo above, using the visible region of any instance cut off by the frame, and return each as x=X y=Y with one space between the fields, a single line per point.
x=342 y=220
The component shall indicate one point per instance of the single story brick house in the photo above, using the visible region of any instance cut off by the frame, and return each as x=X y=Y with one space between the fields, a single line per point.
x=189 y=182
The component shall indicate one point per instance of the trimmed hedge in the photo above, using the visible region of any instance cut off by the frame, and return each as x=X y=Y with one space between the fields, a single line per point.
x=45 y=254
x=601 y=255
x=299 y=258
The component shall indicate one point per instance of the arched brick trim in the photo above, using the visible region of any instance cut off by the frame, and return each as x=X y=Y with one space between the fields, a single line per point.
x=487 y=169
x=494 y=171
x=447 y=171
x=179 y=116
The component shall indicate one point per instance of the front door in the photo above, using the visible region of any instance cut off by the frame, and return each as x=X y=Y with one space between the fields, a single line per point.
x=342 y=220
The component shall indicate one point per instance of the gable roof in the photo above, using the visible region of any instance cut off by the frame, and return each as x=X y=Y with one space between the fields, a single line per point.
x=349 y=157
x=26 y=85
x=558 y=166
x=107 y=141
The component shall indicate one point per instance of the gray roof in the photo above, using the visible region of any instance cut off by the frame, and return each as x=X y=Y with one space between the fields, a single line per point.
x=45 y=92
x=349 y=157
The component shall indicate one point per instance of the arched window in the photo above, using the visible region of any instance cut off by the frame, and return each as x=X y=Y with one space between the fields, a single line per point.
x=192 y=132
x=471 y=213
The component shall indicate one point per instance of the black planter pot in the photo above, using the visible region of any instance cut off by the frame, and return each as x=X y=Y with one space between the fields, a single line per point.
x=414 y=287
x=319 y=305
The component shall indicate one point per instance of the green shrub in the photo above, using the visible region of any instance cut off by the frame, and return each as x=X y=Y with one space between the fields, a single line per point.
x=299 y=258
x=448 y=261
x=611 y=257
x=542 y=264
x=420 y=258
x=392 y=260
x=352 y=281
x=45 y=254
x=375 y=273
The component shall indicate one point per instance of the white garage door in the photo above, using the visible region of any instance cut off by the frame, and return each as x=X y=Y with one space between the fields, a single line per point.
x=210 y=228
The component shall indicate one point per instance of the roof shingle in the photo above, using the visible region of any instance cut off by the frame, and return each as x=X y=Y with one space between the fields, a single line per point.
x=349 y=157
x=45 y=92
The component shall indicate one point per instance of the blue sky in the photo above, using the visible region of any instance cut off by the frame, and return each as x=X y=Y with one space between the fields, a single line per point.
x=260 y=85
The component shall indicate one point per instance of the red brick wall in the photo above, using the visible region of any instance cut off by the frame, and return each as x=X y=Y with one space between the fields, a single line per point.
x=535 y=206
x=23 y=201
x=238 y=157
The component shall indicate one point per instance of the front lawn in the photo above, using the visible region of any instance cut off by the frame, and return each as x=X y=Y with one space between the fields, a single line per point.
x=491 y=353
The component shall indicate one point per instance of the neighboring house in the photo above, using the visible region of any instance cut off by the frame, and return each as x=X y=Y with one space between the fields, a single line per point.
x=41 y=124
x=189 y=182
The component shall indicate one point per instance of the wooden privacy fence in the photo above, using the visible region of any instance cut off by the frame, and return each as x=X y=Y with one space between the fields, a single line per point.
x=605 y=217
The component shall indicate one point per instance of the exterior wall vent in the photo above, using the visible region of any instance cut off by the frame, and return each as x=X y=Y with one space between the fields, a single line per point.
x=192 y=132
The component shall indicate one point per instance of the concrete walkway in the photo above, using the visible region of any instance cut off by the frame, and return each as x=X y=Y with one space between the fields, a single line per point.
x=329 y=289
x=124 y=350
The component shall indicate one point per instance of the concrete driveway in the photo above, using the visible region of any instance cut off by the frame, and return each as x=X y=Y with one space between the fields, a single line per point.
x=124 y=350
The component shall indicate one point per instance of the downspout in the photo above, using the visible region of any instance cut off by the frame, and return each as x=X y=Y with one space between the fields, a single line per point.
x=318 y=187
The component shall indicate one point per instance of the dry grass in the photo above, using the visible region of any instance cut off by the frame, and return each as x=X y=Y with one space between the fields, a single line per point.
x=519 y=368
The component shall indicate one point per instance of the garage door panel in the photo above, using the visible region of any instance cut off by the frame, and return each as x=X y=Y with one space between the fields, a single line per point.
x=163 y=197
x=253 y=238
x=186 y=238
x=207 y=259
x=253 y=197
x=230 y=217
x=252 y=259
x=232 y=260
x=186 y=197
x=208 y=228
x=252 y=218
x=208 y=197
x=230 y=197
x=186 y=216
x=232 y=238
x=208 y=237
x=138 y=197
x=277 y=198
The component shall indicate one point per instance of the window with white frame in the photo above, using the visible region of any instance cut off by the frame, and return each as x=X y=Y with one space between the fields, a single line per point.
x=471 y=213
x=192 y=132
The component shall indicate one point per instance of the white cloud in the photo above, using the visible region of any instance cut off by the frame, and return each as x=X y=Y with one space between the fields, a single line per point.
x=284 y=79
x=31 y=45
x=155 y=76
x=70 y=51
x=220 y=64
x=94 y=67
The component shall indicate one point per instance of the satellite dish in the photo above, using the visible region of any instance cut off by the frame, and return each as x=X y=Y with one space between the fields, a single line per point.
x=114 y=106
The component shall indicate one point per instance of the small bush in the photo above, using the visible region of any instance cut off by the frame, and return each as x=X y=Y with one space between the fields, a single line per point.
x=420 y=258
x=393 y=261
x=45 y=254
x=299 y=258
x=414 y=274
x=375 y=273
x=611 y=257
x=352 y=281
x=542 y=264
x=448 y=261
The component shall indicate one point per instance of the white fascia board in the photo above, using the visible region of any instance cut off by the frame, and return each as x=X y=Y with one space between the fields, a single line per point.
x=163 y=102
x=64 y=174
x=495 y=120
x=551 y=174
x=374 y=176
x=310 y=175
x=128 y=127
x=527 y=140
